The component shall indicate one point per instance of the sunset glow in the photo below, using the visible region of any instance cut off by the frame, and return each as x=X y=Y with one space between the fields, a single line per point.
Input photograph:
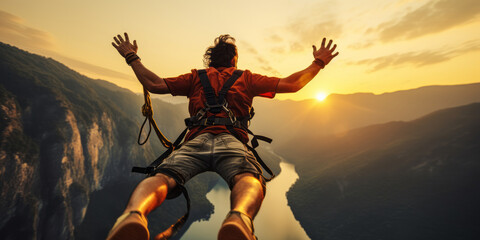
x=384 y=46
x=321 y=96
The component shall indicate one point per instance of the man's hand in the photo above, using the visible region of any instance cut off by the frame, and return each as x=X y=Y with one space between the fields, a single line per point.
x=325 y=53
x=124 y=47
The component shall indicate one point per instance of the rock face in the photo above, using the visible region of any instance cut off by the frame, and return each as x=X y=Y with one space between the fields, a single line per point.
x=18 y=153
x=67 y=144
x=65 y=137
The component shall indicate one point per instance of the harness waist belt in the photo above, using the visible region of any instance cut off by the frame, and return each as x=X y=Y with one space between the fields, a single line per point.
x=212 y=121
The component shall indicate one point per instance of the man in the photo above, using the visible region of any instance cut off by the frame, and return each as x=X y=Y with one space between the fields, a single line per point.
x=210 y=147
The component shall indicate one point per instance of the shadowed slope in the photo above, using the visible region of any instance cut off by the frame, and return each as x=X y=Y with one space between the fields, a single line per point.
x=400 y=180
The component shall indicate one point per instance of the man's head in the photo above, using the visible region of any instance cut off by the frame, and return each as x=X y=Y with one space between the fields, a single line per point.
x=222 y=54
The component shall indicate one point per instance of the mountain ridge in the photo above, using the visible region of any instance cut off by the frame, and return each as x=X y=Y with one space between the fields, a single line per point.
x=397 y=180
x=64 y=137
x=340 y=113
x=70 y=138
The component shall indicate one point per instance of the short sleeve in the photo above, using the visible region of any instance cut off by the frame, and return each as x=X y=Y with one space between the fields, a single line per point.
x=181 y=85
x=263 y=86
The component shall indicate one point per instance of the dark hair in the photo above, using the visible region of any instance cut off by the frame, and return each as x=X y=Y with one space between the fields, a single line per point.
x=222 y=53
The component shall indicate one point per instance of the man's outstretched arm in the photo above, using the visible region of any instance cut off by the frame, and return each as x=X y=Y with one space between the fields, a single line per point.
x=147 y=78
x=298 y=80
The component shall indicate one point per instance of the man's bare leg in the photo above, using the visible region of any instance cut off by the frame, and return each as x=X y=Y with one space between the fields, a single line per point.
x=246 y=198
x=247 y=194
x=148 y=195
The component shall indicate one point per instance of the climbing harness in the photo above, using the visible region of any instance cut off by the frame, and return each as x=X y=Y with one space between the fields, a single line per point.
x=214 y=105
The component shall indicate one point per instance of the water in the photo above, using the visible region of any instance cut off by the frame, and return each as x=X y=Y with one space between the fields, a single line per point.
x=274 y=221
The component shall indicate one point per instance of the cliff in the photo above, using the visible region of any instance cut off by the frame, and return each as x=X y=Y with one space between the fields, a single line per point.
x=67 y=147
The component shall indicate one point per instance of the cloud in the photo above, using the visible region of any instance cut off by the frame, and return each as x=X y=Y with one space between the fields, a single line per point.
x=275 y=38
x=306 y=27
x=362 y=45
x=14 y=31
x=420 y=58
x=90 y=68
x=264 y=64
x=307 y=32
x=248 y=47
x=277 y=50
x=432 y=17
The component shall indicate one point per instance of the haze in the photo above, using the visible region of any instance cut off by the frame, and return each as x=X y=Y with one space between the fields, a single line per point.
x=384 y=45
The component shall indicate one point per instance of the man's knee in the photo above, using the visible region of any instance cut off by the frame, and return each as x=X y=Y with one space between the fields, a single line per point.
x=161 y=178
x=250 y=179
x=242 y=176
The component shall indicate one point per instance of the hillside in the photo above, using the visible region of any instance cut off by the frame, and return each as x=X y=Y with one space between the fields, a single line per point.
x=399 y=180
x=303 y=120
x=67 y=146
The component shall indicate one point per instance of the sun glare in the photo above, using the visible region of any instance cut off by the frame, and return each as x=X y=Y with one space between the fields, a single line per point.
x=321 y=96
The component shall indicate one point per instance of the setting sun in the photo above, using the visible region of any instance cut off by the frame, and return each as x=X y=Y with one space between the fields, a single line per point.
x=321 y=96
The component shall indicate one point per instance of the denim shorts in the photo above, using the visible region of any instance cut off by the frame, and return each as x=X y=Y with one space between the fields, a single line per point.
x=222 y=153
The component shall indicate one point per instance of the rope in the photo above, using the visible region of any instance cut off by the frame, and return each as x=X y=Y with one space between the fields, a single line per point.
x=147 y=111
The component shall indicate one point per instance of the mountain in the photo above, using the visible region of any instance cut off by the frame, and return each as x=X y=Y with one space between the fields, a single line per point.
x=398 y=180
x=302 y=120
x=68 y=142
x=67 y=145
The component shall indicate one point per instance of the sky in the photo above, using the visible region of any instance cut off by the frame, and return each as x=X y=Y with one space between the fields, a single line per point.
x=384 y=45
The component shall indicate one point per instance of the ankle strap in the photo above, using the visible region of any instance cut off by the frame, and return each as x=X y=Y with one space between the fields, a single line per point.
x=242 y=216
x=137 y=212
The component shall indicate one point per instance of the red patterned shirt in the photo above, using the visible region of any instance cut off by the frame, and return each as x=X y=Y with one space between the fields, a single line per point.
x=239 y=97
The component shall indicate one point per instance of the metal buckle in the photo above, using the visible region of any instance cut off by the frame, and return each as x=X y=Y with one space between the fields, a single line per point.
x=200 y=114
x=223 y=106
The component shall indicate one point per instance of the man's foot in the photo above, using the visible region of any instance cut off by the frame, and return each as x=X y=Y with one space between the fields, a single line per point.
x=237 y=226
x=130 y=226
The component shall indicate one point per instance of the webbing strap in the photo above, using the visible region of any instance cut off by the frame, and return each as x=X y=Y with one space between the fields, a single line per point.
x=151 y=168
x=213 y=102
x=228 y=84
x=190 y=123
x=264 y=165
x=172 y=230
x=207 y=88
x=252 y=149
x=255 y=139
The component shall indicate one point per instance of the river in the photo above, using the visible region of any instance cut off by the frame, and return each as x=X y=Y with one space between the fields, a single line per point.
x=274 y=221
